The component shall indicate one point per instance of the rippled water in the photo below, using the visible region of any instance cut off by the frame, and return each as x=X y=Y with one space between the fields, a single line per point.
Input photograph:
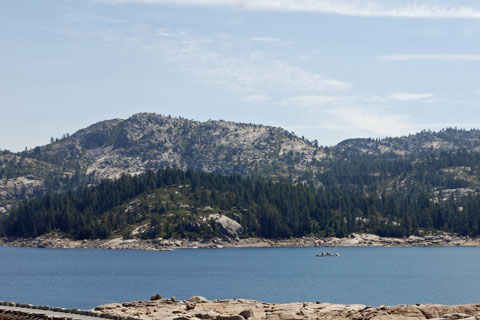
x=372 y=276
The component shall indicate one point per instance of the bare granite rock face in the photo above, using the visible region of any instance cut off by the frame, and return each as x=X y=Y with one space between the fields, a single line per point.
x=240 y=309
x=229 y=226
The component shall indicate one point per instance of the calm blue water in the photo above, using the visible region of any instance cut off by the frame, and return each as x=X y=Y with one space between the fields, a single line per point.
x=372 y=276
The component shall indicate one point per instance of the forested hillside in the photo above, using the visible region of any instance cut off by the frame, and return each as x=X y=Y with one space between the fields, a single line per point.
x=187 y=204
x=392 y=186
x=443 y=171
x=432 y=161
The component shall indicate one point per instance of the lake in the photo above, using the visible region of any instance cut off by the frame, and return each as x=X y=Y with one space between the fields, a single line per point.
x=86 y=278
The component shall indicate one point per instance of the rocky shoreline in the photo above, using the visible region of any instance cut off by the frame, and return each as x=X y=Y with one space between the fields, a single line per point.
x=197 y=308
x=354 y=240
x=200 y=308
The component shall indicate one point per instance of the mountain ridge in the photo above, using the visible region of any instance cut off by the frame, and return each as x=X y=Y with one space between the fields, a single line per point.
x=175 y=142
x=446 y=139
x=148 y=141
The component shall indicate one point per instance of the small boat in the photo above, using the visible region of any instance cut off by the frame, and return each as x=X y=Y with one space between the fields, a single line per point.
x=328 y=254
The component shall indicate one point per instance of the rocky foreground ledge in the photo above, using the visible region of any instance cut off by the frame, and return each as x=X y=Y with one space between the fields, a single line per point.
x=354 y=240
x=197 y=308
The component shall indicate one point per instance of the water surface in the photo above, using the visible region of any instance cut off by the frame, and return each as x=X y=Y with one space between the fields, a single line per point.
x=85 y=278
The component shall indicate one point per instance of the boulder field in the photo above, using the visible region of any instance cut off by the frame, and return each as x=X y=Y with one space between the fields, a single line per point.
x=199 y=308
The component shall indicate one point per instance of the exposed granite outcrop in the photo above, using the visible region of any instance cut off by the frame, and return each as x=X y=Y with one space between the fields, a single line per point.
x=241 y=309
x=26 y=177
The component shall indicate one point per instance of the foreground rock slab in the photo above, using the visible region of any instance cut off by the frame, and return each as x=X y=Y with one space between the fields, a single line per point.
x=198 y=308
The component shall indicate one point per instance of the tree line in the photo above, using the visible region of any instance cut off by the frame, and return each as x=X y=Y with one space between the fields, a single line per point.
x=265 y=208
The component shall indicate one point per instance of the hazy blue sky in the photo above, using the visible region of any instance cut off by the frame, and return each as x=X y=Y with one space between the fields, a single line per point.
x=328 y=70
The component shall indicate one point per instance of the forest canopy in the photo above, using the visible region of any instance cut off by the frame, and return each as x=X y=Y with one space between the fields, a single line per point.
x=170 y=203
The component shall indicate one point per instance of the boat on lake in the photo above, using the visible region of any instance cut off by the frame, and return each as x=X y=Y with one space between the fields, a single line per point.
x=328 y=254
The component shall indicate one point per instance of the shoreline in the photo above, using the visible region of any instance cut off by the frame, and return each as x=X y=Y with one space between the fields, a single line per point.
x=200 y=308
x=240 y=309
x=354 y=240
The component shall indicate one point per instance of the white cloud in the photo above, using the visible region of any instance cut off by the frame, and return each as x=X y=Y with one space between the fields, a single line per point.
x=371 y=121
x=367 y=8
x=376 y=99
x=312 y=101
x=272 y=41
x=266 y=39
x=431 y=57
x=257 y=98
x=410 y=96
x=240 y=73
x=347 y=114
x=222 y=60
x=303 y=58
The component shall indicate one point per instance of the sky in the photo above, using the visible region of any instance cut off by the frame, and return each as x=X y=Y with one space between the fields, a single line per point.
x=324 y=69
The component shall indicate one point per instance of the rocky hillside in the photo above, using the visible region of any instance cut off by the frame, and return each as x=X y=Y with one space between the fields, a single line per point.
x=172 y=203
x=150 y=141
x=22 y=177
x=417 y=144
